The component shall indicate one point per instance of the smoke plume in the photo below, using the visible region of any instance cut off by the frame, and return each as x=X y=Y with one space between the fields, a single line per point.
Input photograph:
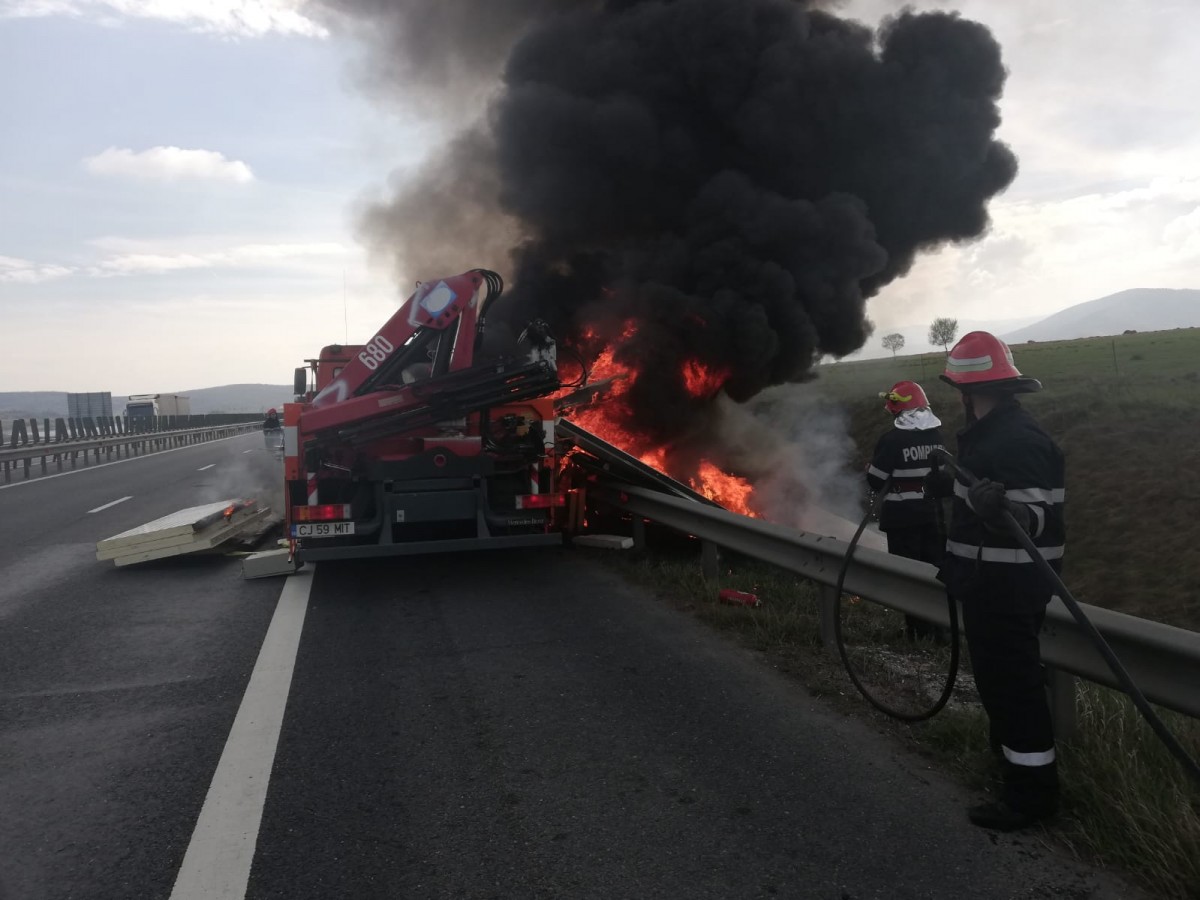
x=714 y=182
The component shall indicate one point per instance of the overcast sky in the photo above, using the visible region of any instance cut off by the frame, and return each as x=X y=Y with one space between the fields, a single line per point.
x=179 y=178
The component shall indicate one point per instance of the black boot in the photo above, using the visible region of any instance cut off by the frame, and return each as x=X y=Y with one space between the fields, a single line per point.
x=999 y=816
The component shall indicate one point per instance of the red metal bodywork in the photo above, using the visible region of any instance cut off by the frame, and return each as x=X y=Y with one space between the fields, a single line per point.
x=430 y=447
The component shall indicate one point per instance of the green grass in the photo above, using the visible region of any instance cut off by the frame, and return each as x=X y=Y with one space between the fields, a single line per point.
x=1126 y=412
x=1126 y=802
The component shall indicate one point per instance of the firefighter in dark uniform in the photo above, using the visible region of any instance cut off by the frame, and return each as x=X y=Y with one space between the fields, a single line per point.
x=273 y=432
x=1003 y=596
x=901 y=462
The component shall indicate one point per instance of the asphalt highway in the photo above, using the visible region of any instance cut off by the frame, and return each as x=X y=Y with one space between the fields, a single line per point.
x=503 y=725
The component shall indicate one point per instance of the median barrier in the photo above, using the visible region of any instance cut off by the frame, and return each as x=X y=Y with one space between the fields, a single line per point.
x=21 y=453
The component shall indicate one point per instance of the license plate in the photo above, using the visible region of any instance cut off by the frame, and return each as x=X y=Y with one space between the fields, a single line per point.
x=322 y=529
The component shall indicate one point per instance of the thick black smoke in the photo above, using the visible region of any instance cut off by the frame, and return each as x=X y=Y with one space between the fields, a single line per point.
x=736 y=177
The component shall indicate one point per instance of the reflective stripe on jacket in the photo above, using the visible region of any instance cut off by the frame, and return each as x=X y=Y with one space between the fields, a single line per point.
x=904 y=456
x=1007 y=446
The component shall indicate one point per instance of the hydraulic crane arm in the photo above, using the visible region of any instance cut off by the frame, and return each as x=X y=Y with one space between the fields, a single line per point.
x=435 y=332
x=442 y=316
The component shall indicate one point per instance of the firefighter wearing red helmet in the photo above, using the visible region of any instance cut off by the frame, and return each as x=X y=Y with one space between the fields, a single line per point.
x=271 y=422
x=898 y=469
x=1021 y=471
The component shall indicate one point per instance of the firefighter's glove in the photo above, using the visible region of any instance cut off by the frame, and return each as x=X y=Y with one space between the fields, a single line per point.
x=986 y=498
x=938 y=484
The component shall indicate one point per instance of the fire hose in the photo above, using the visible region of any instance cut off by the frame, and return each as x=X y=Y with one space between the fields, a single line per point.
x=952 y=609
x=1123 y=678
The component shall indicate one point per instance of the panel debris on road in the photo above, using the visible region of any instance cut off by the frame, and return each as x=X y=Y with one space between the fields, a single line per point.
x=191 y=530
x=269 y=563
x=605 y=541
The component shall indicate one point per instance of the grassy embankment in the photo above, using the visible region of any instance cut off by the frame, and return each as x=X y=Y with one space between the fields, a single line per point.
x=1124 y=411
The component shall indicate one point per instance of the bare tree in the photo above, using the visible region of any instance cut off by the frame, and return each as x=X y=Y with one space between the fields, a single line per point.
x=893 y=342
x=942 y=332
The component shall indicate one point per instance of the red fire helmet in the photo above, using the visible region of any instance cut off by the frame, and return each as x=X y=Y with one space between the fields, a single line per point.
x=983 y=362
x=904 y=395
x=271 y=412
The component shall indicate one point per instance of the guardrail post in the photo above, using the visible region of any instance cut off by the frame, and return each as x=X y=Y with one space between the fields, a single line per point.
x=710 y=560
x=33 y=429
x=828 y=603
x=18 y=433
x=1060 y=691
x=60 y=431
x=639 y=533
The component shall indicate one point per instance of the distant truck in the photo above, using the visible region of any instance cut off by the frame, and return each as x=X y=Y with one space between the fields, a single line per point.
x=144 y=406
x=91 y=405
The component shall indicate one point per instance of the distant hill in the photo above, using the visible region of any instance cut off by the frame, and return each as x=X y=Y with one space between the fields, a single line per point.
x=1138 y=309
x=237 y=398
x=916 y=337
x=228 y=398
x=32 y=404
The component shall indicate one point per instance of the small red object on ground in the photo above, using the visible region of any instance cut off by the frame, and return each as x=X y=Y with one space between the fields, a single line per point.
x=738 y=598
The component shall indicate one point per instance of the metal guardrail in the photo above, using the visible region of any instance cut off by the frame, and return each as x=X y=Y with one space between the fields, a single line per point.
x=1163 y=660
x=136 y=443
x=24 y=432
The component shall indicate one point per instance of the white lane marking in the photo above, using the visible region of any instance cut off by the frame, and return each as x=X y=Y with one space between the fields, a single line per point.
x=217 y=861
x=205 y=468
x=86 y=468
x=251 y=450
x=107 y=505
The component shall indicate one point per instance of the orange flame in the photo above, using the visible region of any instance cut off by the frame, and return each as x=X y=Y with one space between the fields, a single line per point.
x=236 y=506
x=730 y=491
x=604 y=419
x=700 y=380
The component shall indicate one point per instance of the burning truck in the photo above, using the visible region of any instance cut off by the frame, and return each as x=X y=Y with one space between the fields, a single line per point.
x=695 y=198
x=419 y=442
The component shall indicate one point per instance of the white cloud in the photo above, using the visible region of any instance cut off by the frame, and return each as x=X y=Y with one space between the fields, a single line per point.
x=148 y=260
x=228 y=18
x=124 y=257
x=1183 y=233
x=22 y=271
x=168 y=164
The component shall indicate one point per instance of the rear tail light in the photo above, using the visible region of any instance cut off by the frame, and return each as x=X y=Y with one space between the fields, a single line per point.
x=540 y=501
x=326 y=512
